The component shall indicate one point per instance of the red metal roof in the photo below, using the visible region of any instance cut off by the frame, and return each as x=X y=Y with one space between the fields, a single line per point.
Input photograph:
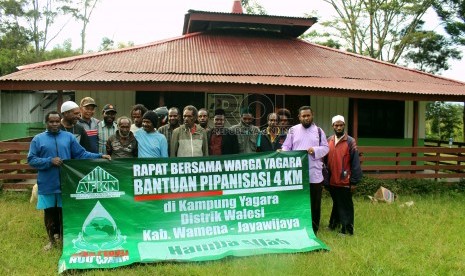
x=238 y=58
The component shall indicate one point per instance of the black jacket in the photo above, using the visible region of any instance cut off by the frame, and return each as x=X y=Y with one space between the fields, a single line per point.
x=229 y=143
x=81 y=135
x=264 y=143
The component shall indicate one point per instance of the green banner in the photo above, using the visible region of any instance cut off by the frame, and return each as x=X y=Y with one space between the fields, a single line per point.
x=124 y=211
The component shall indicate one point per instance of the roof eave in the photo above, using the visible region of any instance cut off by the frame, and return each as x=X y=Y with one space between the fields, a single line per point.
x=224 y=87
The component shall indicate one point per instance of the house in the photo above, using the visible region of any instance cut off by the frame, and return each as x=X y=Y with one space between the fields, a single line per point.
x=231 y=60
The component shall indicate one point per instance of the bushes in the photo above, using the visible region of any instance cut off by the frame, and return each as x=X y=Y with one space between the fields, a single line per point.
x=369 y=185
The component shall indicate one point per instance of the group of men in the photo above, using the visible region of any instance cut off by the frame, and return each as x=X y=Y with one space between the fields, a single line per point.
x=194 y=137
x=159 y=133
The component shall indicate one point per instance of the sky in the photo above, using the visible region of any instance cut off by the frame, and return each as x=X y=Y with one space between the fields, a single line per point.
x=145 y=21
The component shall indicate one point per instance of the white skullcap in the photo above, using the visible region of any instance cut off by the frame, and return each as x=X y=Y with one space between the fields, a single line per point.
x=338 y=118
x=67 y=106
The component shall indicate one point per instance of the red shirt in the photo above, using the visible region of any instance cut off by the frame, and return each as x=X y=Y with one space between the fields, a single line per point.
x=215 y=144
x=193 y=129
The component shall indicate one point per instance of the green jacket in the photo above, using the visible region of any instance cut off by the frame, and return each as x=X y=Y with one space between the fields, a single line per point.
x=186 y=144
x=246 y=136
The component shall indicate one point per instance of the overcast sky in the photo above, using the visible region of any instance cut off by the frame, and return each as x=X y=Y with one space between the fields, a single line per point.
x=145 y=21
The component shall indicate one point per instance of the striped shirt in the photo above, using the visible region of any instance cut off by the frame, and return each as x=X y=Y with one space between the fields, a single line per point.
x=92 y=131
x=104 y=132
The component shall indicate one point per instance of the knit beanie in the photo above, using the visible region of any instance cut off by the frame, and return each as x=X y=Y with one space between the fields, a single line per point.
x=152 y=116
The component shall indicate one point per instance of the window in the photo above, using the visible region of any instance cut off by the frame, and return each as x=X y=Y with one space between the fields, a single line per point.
x=380 y=118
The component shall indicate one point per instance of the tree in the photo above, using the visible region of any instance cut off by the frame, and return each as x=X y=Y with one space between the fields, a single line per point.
x=61 y=51
x=82 y=10
x=430 y=52
x=452 y=13
x=34 y=19
x=14 y=39
x=377 y=28
x=325 y=38
x=253 y=7
x=40 y=16
x=392 y=31
x=25 y=32
x=106 y=44
x=15 y=48
x=109 y=44
x=388 y=30
x=443 y=120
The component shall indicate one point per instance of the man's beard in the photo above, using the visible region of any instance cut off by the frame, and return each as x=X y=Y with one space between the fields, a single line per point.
x=306 y=125
x=339 y=134
x=173 y=123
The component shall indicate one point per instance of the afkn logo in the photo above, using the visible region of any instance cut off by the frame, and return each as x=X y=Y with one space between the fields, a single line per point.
x=98 y=184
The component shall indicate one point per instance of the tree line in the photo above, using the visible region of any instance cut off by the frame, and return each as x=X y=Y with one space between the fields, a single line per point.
x=388 y=30
x=26 y=30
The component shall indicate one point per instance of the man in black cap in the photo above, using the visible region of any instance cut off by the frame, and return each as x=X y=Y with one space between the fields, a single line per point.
x=246 y=132
x=107 y=127
x=220 y=139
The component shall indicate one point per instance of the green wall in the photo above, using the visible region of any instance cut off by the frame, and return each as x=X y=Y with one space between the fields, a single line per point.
x=12 y=131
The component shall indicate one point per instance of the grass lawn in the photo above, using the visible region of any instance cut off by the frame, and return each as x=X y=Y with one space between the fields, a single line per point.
x=424 y=239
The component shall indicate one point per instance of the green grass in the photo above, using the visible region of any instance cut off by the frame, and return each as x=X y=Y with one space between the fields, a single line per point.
x=425 y=239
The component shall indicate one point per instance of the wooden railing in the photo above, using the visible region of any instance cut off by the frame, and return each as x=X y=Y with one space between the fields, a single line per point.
x=15 y=173
x=442 y=143
x=413 y=162
x=378 y=162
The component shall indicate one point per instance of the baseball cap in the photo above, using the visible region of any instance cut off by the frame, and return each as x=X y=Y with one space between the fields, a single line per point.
x=87 y=101
x=68 y=105
x=109 y=107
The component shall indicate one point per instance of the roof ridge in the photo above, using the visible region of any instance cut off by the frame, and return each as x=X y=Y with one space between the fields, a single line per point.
x=249 y=14
x=376 y=60
x=90 y=55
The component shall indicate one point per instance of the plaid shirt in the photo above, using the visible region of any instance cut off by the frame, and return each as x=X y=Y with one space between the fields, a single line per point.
x=104 y=132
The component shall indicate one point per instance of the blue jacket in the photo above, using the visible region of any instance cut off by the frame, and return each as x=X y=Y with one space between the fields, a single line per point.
x=46 y=146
